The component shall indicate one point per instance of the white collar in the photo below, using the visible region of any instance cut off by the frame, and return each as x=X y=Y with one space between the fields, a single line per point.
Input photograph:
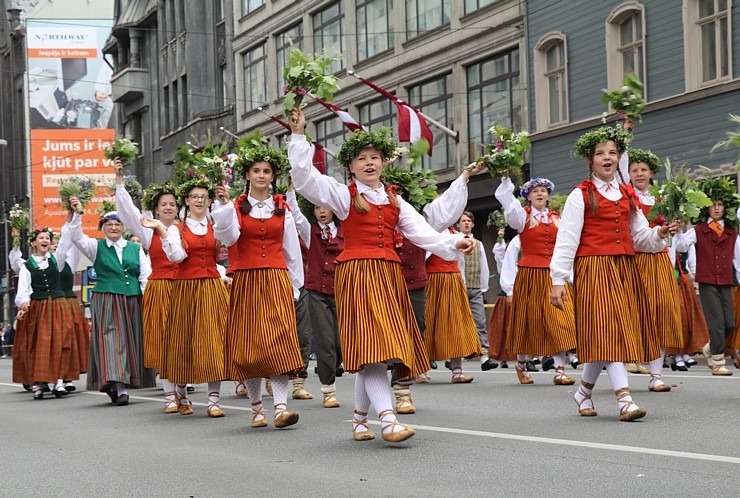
x=191 y=222
x=537 y=213
x=119 y=243
x=266 y=203
x=362 y=188
x=721 y=221
x=330 y=225
x=601 y=184
x=41 y=258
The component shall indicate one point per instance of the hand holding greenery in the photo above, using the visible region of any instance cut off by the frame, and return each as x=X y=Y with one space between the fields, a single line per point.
x=496 y=220
x=123 y=149
x=132 y=186
x=76 y=186
x=19 y=220
x=627 y=101
x=308 y=74
x=505 y=156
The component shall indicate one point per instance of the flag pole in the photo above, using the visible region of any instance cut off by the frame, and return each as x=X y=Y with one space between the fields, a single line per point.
x=454 y=134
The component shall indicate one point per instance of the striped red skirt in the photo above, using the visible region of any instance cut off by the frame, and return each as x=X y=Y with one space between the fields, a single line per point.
x=194 y=340
x=733 y=343
x=498 y=327
x=610 y=307
x=117 y=343
x=693 y=325
x=45 y=343
x=262 y=338
x=156 y=304
x=450 y=329
x=82 y=340
x=663 y=298
x=375 y=318
x=536 y=327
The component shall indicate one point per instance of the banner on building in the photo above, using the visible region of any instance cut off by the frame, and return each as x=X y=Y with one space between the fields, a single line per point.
x=70 y=114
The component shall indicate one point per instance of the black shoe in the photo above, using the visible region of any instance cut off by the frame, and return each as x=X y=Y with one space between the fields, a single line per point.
x=489 y=364
x=575 y=364
x=433 y=364
x=60 y=391
x=45 y=387
x=690 y=362
x=675 y=366
x=665 y=364
x=191 y=389
x=27 y=387
x=69 y=387
x=122 y=400
x=110 y=390
x=531 y=367
x=536 y=360
x=504 y=364
x=548 y=362
x=339 y=372
x=38 y=394
x=448 y=365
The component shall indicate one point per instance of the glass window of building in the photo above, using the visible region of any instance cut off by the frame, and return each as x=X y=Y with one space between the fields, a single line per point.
x=285 y=42
x=715 y=41
x=379 y=112
x=473 y=5
x=255 y=77
x=374 y=27
x=426 y=15
x=434 y=99
x=328 y=32
x=331 y=134
x=249 y=6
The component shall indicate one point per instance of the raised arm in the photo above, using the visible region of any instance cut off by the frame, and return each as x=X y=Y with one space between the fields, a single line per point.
x=413 y=226
x=86 y=245
x=225 y=220
x=15 y=257
x=131 y=216
x=514 y=213
x=292 y=254
x=301 y=222
x=445 y=210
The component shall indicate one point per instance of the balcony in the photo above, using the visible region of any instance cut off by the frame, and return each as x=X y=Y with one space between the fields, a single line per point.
x=129 y=84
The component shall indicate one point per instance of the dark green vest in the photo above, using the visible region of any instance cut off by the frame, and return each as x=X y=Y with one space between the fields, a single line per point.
x=67 y=281
x=45 y=283
x=114 y=277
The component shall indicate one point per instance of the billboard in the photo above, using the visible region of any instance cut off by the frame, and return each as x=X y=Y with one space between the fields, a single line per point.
x=70 y=114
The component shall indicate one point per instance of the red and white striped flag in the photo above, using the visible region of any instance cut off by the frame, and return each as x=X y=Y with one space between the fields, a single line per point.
x=319 y=158
x=346 y=117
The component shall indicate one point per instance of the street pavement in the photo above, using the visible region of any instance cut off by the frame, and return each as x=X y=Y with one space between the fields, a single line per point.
x=493 y=437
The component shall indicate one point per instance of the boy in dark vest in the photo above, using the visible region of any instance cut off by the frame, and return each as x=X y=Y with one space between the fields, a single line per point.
x=717 y=256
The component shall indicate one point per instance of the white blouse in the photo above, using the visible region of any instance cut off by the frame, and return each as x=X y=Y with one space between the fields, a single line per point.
x=509 y=266
x=24 y=278
x=514 y=212
x=499 y=249
x=644 y=238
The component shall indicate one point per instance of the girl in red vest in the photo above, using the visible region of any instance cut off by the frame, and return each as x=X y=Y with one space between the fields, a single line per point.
x=656 y=272
x=536 y=328
x=263 y=338
x=599 y=230
x=377 y=327
x=195 y=335
x=161 y=201
x=717 y=257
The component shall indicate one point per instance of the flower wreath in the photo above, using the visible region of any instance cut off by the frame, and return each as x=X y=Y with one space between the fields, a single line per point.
x=380 y=139
x=644 y=156
x=254 y=153
x=586 y=144
x=725 y=190
x=154 y=191
x=38 y=231
x=185 y=188
x=536 y=182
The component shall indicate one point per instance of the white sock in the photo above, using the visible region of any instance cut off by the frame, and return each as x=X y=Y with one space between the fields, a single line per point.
x=59 y=385
x=559 y=359
x=378 y=390
x=121 y=388
x=254 y=389
x=168 y=386
x=656 y=366
x=280 y=389
x=521 y=364
x=618 y=376
x=456 y=365
x=571 y=356
x=182 y=391
x=214 y=392
x=581 y=396
x=362 y=401
x=679 y=358
x=591 y=372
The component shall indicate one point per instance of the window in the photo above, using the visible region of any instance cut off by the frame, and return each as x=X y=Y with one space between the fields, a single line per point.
x=707 y=42
x=331 y=133
x=221 y=86
x=494 y=97
x=180 y=15
x=434 y=98
x=377 y=113
x=473 y=5
x=249 y=6
x=327 y=26
x=625 y=43
x=170 y=6
x=287 y=41
x=255 y=78
x=374 y=27
x=185 y=99
x=166 y=109
x=425 y=15
x=175 y=106
x=551 y=82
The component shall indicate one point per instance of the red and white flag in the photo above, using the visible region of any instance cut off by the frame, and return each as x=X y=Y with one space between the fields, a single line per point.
x=319 y=157
x=346 y=117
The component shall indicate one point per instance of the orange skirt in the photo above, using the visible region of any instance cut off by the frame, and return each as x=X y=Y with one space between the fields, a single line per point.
x=610 y=307
x=693 y=325
x=663 y=299
x=498 y=327
x=195 y=337
x=536 y=327
x=156 y=309
x=375 y=318
x=450 y=329
x=262 y=338
x=82 y=340
x=733 y=343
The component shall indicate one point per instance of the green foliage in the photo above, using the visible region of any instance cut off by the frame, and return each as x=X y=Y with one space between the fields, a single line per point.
x=124 y=149
x=106 y=207
x=306 y=73
x=722 y=189
x=557 y=202
x=626 y=101
x=505 y=156
x=20 y=219
x=733 y=140
x=417 y=187
x=76 y=186
x=497 y=221
x=587 y=142
x=678 y=198
x=154 y=191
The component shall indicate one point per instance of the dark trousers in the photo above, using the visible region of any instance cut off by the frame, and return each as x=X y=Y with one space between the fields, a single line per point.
x=303 y=321
x=716 y=302
x=418 y=304
x=323 y=312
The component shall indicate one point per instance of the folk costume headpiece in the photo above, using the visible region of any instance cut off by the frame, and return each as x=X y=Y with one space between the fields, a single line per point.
x=381 y=139
x=587 y=143
x=187 y=187
x=536 y=182
x=110 y=216
x=154 y=192
x=644 y=156
x=38 y=231
x=255 y=152
x=725 y=190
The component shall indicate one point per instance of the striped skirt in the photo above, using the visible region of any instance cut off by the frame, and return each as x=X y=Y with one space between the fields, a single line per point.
x=733 y=343
x=693 y=325
x=262 y=338
x=450 y=329
x=536 y=327
x=45 y=343
x=116 y=342
x=498 y=327
x=156 y=304
x=663 y=299
x=82 y=340
x=375 y=319
x=194 y=340
x=610 y=308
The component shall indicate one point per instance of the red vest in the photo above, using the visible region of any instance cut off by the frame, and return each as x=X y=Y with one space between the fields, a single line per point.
x=260 y=243
x=537 y=243
x=435 y=264
x=413 y=265
x=162 y=268
x=202 y=252
x=714 y=255
x=646 y=211
x=370 y=235
x=608 y=233
x=321 y=260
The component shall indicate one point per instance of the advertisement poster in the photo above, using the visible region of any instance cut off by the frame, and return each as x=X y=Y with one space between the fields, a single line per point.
x=71 y=115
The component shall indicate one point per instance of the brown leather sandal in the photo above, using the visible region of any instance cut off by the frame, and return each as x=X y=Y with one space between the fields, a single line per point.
x=365 y=435
x=625 y=414
x=393 y=436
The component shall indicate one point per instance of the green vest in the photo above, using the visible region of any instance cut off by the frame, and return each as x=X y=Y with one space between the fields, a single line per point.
x=45 y=283
x=67 y=281
x=114 y=277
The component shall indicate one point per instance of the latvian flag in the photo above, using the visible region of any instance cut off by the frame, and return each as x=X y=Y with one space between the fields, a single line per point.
x=319 y=157
x=346 y=118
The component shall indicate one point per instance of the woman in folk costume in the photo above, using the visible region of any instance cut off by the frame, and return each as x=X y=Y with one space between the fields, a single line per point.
x=116 y=338
x=45 y=345
x=506 y=258
x=377 y=327
x=536 y=327
x=656 y=272
x=161 y=201
x=450 y=328
x=693 y=325
x=263 y=338
x=194 y=337
x=599 y=230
